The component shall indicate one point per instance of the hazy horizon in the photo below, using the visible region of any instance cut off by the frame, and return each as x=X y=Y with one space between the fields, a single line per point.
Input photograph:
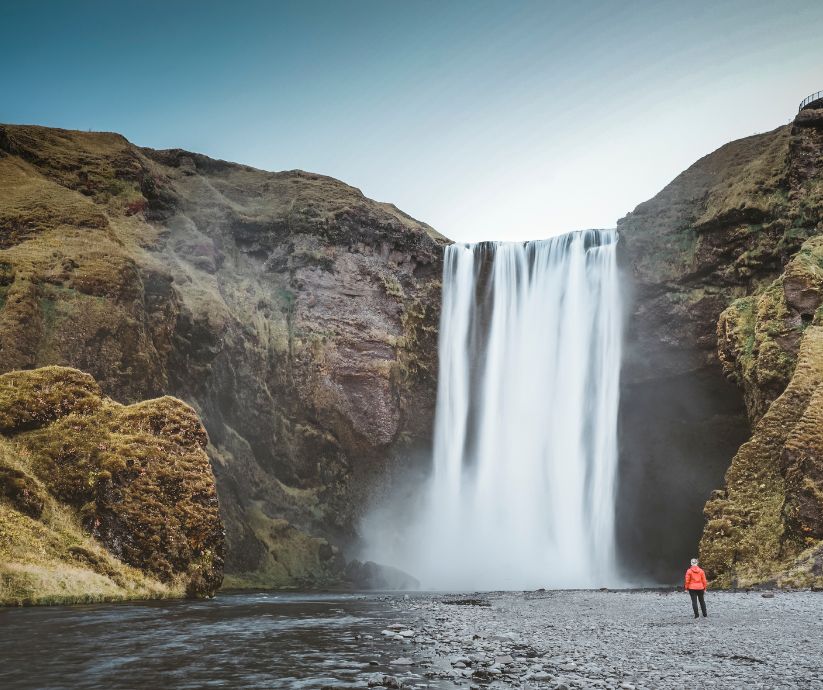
x=487 y=120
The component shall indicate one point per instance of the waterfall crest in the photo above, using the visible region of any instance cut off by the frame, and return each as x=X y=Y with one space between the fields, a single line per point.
x=525 y=450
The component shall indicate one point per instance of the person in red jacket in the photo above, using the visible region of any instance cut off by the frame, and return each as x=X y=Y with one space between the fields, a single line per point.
x=696 y=586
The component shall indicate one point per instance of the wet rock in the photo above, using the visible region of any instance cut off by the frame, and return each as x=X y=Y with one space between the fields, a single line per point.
x=382 y=680
x=370 y=575
x=402 y=661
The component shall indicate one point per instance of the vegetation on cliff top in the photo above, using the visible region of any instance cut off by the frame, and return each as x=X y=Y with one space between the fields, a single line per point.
x=99 y=500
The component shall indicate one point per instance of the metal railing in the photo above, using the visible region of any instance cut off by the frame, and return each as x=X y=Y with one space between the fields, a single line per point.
x=810 y=99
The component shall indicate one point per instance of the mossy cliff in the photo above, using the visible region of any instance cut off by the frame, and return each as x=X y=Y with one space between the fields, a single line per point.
x=294 y=314
x=727 y=269
x=100 y=501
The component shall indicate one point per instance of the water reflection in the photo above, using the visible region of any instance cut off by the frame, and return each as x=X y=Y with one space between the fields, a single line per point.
x=259 y=640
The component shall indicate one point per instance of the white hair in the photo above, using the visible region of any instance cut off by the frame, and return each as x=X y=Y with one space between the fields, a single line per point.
x=694 y=561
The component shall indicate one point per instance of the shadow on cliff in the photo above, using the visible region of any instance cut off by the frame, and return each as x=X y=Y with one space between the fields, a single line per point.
x=680 y=424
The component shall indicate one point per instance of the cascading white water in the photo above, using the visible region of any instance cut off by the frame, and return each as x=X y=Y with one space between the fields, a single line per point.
x=525 y=452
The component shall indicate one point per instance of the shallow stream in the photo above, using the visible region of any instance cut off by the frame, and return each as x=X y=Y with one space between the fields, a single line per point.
x=259 y=640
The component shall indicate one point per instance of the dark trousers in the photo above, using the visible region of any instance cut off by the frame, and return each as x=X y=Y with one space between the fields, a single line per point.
x=695 y=595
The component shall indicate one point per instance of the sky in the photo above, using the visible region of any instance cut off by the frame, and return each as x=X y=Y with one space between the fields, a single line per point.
x=488 y=120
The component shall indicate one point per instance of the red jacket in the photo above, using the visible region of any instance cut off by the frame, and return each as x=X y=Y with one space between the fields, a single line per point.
x=695 y=578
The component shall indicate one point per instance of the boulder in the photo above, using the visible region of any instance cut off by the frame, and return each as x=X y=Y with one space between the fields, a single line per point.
x=371 y=575
x=136 y=477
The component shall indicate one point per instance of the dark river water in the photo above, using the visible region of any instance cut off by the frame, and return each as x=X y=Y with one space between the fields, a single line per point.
x=257 y=640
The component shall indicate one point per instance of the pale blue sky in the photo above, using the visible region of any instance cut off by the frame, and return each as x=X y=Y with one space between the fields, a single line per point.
x=489 y=120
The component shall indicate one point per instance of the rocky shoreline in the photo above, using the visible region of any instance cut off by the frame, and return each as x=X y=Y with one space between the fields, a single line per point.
x=607 y=639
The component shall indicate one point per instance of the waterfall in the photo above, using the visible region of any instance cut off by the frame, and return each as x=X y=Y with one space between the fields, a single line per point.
x=525 y=452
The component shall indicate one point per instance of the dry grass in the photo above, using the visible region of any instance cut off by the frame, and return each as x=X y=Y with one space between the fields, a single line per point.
x=750 y=177
x=33 y=399
x=33 y=205
x=51 y=560
x=136 y=478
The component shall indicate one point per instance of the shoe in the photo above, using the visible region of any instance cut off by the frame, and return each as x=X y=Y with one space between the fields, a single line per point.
x=705 y=615
x=696 y=616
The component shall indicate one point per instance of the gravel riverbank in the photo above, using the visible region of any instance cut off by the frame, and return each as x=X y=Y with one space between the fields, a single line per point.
x=614 y=639
x=487 y=641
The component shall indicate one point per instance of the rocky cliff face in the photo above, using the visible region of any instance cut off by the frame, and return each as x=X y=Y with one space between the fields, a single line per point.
x=295 y=315
x=101 y=501
x=726 y=268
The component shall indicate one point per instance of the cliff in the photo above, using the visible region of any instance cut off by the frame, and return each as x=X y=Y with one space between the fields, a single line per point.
x=100 y=501
x=295 y=315
x=299 y=320
x=726 y=265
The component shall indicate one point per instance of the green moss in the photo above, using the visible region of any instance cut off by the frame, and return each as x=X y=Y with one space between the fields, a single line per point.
x=392 y=286
x=137 y=477
x=292 y=557
x=46 y=558
x=287 y=298
x=752 y=533
x=31 y=399
x=758 y=338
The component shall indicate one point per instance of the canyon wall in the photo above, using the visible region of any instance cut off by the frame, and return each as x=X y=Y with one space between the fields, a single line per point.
x=295 y=315
x=725 y=269
x=299 y=319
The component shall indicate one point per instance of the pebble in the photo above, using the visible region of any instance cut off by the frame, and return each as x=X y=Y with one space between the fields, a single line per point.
x=626 y=640
x=382 y=680
x=402 y=661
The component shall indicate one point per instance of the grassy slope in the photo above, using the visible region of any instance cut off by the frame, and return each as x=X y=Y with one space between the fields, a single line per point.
x=48 y=558
x=80 y=472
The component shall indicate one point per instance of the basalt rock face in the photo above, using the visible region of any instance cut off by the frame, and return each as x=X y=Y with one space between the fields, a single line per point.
x=79 y=471
x=295 y=315
x=725 y=269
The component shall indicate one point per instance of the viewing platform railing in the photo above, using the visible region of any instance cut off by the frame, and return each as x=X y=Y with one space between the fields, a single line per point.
x=810 y=99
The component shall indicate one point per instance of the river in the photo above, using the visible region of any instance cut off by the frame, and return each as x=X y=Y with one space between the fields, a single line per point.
x=248 y=640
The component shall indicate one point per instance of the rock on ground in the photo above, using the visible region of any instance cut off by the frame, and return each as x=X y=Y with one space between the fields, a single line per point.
x=614 y=639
